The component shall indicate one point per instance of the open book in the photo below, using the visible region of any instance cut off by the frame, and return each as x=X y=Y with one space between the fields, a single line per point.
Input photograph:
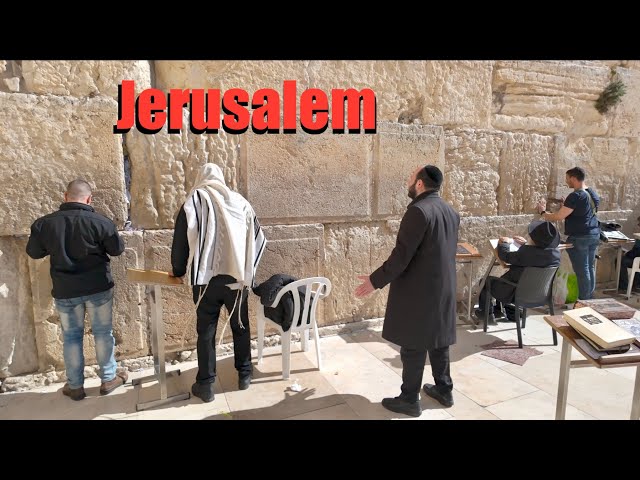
x=513 y=247
x=615 y=235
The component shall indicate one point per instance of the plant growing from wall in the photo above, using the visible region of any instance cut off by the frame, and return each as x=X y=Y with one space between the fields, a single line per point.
x=612 y=94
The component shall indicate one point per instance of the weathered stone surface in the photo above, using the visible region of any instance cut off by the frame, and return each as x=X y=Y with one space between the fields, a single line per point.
x=549 y=97
x=10 y=74
x=228 y=74
x=458 y=93
x=398 y=151
x=18 y=352
x=631 y=192
x=129 y=323
x=353 y=250
x=625 y=118
x=83 y=78
x=129 y=319
x=606 y=162
x=471 y=175
x=307 y=177
x=164 y=167
x=178 y=309
x=400 y=86
x=47 y=142
x=525 y=170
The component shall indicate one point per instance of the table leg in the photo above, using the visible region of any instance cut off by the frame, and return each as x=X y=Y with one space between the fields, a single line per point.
x=635 y=403
x=469 y=306
x=157 y=346
x=563 y=383
x=618 y=266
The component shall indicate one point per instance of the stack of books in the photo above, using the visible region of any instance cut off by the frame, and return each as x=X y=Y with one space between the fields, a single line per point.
x=602 y=338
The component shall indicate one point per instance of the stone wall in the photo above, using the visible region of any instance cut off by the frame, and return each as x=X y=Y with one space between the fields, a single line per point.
x=504 y=133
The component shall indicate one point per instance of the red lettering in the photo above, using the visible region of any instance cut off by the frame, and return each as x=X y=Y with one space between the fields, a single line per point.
x=126 y=107
x=314 y=97
x=205 y=119
x=289 y=101
x=151 y=114
x=176 y=100
x=266 y=117
x=237 y=116
x=353 y=98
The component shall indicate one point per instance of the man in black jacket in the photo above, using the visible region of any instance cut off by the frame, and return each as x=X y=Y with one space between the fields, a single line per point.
x=421 y=309
x=79 y=241
x=542 y=251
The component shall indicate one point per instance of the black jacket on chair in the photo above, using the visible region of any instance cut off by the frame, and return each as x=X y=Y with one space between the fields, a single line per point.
x=282 y=314
x=525 y=256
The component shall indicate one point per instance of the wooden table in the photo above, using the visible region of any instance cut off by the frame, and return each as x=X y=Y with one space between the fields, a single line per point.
x=569 y=337
x=468 y=258
x=154 y=280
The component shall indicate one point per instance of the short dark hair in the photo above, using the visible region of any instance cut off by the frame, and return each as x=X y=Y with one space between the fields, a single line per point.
x=78 y=188
x=431 y=176
x=577 y=173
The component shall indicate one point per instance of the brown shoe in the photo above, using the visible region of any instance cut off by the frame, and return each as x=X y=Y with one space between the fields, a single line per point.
x=73 y=393
x=120 y=379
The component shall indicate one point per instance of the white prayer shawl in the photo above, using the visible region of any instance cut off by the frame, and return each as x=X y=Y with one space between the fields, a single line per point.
x=224 y=235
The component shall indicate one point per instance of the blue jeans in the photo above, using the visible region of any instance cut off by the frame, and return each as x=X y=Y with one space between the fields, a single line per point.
x=100 y=309
x=583 y=259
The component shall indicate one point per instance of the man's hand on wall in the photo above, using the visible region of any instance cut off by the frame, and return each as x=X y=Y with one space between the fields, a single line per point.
x=365 y=288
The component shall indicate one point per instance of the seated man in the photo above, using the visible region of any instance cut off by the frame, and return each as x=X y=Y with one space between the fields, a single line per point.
x=542 y=251
x=627 y=262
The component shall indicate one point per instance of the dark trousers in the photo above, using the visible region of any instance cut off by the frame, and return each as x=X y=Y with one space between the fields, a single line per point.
x=217 y=295
x=502 y=292
x=413 y=366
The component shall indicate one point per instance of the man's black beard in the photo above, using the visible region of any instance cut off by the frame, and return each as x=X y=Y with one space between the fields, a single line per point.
x=412 y=191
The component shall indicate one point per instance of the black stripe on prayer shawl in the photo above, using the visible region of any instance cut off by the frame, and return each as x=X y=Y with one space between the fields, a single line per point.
x=195 y=209
x=255 y=262
x=215 y=237
x=256 y=227
x=205 y=223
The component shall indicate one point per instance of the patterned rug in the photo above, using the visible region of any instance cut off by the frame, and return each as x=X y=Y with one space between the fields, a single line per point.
x=509 y=352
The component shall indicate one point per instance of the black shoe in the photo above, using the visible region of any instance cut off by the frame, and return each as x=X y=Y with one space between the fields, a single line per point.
x=244 y=380
x=480 y=314
x=204 y=391
x=446 y=399
x=398 y=405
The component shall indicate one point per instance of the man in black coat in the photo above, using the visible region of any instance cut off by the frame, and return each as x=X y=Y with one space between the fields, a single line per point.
x=542 y=251
x=421 y=308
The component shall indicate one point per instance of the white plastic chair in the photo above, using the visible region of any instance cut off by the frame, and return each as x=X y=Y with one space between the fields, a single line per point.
x=303 y=318
x=635 y=268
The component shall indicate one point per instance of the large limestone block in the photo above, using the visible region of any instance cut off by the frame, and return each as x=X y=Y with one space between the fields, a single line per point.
x=353 y=250
x=399 y=150
x=303 y=177
x=10 y=75
x=607 y=163
x=549 y=97
x=83 y=78
x=400 y=86
x=227 y=74
x=164 y=167
x=472 y=170
x=129 y=323
x=525 y=169
x=295 y=250
x=18 y=352
x=631 y=197
x=47 y=142
x=625 y=121
x=458 y=93
x=178 y=309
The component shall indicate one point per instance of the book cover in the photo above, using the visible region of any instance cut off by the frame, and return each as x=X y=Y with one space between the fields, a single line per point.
x=597 y=327
x=610 y=308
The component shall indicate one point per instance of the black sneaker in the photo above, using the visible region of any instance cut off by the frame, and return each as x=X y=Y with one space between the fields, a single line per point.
x=445 y=399
x=244 y=380
x=398 y=405
x=204 y=391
